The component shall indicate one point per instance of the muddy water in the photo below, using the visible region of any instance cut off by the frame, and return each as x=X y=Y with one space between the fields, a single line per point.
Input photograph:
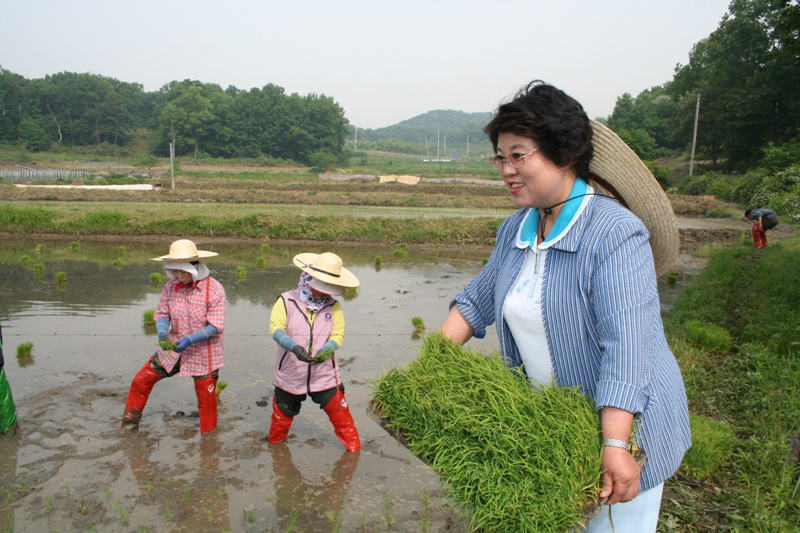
x=68 y=469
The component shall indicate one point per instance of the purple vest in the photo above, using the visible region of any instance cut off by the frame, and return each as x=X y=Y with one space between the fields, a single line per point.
x=293 y=375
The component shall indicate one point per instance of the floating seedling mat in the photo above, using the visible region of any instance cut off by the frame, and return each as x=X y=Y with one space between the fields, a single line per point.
x=515 y=458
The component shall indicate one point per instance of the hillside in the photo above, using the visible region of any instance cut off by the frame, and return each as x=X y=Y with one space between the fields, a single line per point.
x=449 y=130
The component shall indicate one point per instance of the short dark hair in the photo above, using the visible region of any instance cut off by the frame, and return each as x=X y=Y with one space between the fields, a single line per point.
x=747 y=212
x=554 y=120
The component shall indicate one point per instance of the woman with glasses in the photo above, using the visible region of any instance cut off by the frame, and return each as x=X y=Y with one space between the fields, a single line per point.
x=571 y=289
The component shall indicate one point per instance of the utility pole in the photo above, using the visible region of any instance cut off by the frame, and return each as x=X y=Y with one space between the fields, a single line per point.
x=171 y=163
x=694 y=140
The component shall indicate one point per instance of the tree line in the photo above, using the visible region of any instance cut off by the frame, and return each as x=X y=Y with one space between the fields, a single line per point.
x=746 y=76
x=81 y=110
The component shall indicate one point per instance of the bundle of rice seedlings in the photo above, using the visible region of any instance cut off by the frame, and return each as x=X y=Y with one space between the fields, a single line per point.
x=515 y=458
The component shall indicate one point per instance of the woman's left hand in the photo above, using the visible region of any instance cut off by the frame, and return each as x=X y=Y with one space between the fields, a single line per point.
x=621 y=475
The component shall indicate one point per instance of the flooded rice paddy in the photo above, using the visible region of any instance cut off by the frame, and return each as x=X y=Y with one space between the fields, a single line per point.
x=69 y=469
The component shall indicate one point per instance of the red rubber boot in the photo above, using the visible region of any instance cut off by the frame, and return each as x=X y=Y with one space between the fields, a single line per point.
x=206 y=390
x=280 y=424
x=141 y=386
x=343 y=423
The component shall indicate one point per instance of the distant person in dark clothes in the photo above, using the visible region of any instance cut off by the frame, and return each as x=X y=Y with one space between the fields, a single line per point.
x=763 y=219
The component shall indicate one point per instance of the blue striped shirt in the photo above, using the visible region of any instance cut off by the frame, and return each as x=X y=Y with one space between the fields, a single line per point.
x=602 y=320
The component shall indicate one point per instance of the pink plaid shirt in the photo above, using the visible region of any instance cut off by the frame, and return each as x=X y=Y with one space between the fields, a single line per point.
x=190 y=309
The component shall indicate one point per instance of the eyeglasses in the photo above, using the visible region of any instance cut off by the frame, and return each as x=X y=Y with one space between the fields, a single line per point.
x=516 y=160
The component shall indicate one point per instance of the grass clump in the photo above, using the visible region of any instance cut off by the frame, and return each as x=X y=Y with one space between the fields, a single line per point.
x=507 y=453
x=148 y=317
x=24 y=349
x=712 y=445
x=713 y=338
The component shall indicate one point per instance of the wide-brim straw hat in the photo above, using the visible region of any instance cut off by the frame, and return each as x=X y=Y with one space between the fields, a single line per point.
x=618 y=171
x=326 y=267
x=184 y=250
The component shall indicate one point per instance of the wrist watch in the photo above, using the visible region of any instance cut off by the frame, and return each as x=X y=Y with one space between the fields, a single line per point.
x=616 y=443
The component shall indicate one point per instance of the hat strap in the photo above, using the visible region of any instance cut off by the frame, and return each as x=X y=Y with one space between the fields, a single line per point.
x=315 y=269
x=549 y=210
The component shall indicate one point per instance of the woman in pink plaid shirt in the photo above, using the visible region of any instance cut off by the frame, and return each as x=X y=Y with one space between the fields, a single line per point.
x=191 y=314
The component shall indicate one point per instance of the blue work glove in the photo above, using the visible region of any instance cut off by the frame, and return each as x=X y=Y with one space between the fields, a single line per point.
x=183 y=344
x=199 y=335
x=162 y=325
x=329 y=347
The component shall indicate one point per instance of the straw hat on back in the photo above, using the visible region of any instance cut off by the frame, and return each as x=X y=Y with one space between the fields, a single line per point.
x=184 y=250
x=618 y=171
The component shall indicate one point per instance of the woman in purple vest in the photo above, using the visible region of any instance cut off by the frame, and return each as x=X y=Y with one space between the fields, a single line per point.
x=308 y=325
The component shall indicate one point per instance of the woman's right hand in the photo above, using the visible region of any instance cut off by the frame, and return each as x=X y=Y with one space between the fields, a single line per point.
x=301 y=353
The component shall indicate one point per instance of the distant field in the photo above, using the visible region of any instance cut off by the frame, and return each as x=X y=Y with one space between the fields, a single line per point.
x=172 y=209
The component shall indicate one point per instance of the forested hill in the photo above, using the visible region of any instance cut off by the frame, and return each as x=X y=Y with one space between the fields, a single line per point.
x=450 y=129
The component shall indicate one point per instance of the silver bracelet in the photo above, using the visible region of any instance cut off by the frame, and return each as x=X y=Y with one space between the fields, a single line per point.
x=616 y=443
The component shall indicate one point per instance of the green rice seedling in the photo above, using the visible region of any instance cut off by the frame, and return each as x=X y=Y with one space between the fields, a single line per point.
x=265 y=248
x=419 y=325
x=712 y=445
x=74 y=246
x=260 y=262
x=221 y=386
x=508 y=454
x=484 y=260
x=335 y=520
x=121 y=250
x=167 y=345
x=48 y=504
x=83 y=508
x=399 y=254
x=250 y=514
x=25 y=260
x=24 y=349
x=711 y=337
x=38 y=267
x=61 y=276
x=241 y=271
x=293 y=516
x=117 y=262
x=149 y=487
x=186 y=494
x=286 y=255
x=378 y=260
x=307 y=495
x=167 y=511
x=148 y=317
x=388 y=510
x=40 y=248
x=155 y=278
x=123 y=513
x=270 y=496
x=402 y=246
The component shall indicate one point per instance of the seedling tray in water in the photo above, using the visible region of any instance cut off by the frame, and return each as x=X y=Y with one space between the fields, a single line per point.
x=374 y=412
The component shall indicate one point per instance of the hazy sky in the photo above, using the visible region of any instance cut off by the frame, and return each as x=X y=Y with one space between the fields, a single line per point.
x=383 y=61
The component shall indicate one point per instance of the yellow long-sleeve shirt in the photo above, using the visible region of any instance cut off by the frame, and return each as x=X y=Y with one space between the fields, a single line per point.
x=277 y=320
